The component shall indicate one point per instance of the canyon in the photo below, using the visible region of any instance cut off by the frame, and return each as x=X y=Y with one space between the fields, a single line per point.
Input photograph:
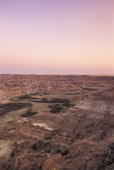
x=56 y=122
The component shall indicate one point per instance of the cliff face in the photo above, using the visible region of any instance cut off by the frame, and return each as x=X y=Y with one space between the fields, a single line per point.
x=56 y=122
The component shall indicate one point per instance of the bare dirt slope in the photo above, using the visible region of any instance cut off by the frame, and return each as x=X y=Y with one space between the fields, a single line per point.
x=56 y=122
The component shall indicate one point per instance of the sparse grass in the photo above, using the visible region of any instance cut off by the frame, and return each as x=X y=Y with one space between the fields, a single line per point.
x=50 y=148
x=58 y=103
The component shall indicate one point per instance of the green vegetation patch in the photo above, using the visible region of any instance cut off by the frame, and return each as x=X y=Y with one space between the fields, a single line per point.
x=55 y=108
x=4 y=108
x=29 y=113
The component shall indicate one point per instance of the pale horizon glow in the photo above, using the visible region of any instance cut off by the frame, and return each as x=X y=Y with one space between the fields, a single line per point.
x=57 y=37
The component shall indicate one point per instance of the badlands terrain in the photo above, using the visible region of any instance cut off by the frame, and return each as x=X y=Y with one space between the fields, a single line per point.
x=56 y=122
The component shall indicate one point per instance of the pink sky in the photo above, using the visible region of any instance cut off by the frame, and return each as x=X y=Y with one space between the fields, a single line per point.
x=57 y=36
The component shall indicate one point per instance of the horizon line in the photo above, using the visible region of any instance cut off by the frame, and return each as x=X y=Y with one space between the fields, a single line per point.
x=57 y=74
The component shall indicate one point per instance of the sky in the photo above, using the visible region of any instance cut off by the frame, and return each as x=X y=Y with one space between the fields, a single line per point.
x=57 y=37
